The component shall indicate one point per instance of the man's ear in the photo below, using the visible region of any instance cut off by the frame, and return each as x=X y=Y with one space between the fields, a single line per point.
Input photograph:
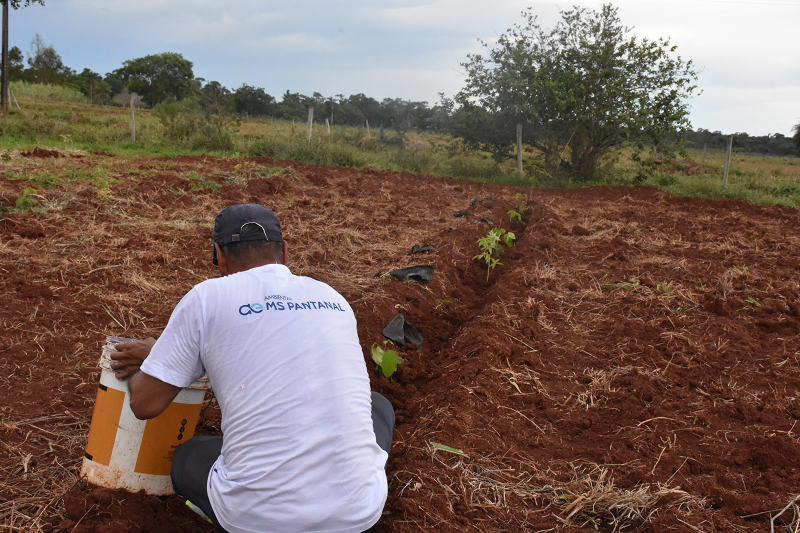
x=222 y=261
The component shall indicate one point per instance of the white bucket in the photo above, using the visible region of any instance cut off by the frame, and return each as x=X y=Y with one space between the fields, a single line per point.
x=123 y=452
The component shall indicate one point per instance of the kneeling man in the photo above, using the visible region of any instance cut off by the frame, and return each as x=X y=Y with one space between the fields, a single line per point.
x=305 y=443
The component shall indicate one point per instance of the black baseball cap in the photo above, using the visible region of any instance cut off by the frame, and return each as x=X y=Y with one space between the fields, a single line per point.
x=230 y=221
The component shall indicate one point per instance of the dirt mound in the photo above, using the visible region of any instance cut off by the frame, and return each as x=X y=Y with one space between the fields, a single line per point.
x=43 y=153
x=632 y=362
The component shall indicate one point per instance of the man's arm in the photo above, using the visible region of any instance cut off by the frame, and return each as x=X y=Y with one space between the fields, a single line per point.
x=149 y=395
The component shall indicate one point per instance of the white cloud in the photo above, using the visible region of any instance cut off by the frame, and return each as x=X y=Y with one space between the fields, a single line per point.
x=755 y=110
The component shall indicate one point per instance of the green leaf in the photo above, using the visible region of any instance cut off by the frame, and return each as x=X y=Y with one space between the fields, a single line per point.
x=387 y=360
x=446 y=448
x=25 y=200
x=390 y=362
x=377 y=354
x=753 y=301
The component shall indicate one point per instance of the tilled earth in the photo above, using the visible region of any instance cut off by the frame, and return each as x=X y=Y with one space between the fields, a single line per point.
x=632 y=363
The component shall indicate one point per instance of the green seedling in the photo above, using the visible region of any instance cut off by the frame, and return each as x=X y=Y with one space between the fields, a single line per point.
x=27 y=199
x=703 y=287
x=492 y=247
x=387 y=360
x=516 y=214
x=447 y=448
x=753 y=301
x=663 y=288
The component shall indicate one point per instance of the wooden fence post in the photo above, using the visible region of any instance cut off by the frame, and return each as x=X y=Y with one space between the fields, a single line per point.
x=727 y=163
x=704 y=153
x=368 y=136
x=310 y=121
x=328 y=126
x=519 y=149
x=6 y=82
x=133 y=119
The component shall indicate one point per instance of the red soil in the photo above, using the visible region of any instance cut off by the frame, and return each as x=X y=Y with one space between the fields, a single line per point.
x=632 y=345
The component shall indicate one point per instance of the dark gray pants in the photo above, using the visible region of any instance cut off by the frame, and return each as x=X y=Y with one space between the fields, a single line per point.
x=194 y=458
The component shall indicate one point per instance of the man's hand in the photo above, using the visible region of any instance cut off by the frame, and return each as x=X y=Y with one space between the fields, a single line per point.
x=130 y=356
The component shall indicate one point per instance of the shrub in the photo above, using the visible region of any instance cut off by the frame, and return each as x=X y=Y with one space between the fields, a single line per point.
x=186 y=125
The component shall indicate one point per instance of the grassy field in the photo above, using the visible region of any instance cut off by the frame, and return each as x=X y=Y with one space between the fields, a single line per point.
x=61 y=119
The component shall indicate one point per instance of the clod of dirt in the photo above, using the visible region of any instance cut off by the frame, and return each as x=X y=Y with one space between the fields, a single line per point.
x=417 y=249
x=43 y=153
x=401 y=332
x=580 y=231
x=647 y=282
x=715 y=305
x=463 y=213
x=30 y=233
x=421 y=274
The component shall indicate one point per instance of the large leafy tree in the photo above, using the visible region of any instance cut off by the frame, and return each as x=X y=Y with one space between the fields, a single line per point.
x=216 y=99
x=581 y=89
x=253 y=101
x=90 y=83
x=158 y=77
x=46 y=65
x=797 y=137
x=16 y=4
x=16 y=63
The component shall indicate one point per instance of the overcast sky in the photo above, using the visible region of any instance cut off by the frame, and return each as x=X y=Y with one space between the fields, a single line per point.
x=745 y=50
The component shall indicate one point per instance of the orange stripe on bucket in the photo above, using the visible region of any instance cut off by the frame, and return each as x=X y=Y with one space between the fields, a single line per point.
x=163 y=434
x=105 y=421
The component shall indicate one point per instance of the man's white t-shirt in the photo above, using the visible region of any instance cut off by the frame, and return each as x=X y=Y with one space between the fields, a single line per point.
x=282 y=354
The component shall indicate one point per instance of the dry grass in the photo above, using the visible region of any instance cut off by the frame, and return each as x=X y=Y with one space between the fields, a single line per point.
x=589 y=499
x=793 y=524
x=593 y=500
x=34 y=487
x=522 y=378
x=600 y=386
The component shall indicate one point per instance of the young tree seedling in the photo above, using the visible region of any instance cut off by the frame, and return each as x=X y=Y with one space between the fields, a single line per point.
x=387 y=360
x=492 y=247
x=27 y=199
x=516 y=214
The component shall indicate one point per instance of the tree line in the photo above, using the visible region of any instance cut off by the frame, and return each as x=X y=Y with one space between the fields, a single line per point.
x=161 y=77
x=774 y=144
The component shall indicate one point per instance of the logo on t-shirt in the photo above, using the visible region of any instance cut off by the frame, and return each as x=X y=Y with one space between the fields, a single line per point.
x=248 y=309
